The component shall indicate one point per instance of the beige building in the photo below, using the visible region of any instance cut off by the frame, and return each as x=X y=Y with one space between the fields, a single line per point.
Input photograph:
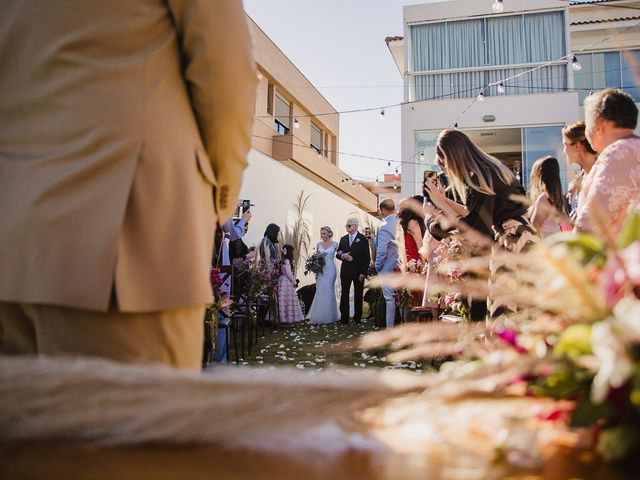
x=295 y=145
x=452 y=50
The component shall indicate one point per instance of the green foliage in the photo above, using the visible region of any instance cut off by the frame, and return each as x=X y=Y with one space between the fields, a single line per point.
x=574 y=342
x=566 y=382
x=619 y=442
x=588 y=413
x=584 y=248
x=630 y=231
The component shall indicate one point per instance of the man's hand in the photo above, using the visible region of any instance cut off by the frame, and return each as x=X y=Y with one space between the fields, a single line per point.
x=246 y=216
x=347 y=257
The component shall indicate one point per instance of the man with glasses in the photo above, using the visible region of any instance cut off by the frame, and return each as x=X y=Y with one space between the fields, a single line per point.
x=353 y=252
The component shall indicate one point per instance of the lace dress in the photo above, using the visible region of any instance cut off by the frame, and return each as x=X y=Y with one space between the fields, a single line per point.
x=612 y=188
x=324 y=308
x=288 y=302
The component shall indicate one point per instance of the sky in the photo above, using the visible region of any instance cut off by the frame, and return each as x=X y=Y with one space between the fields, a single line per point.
x=339 y=46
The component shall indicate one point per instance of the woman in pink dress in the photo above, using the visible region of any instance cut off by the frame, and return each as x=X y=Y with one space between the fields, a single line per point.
x=612 y=187
x=288 y=302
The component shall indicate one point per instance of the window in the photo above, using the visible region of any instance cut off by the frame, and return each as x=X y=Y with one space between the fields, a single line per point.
x=607 y=69
x=474 y=53
x=270 y=93
x=316 y=139
x=282 y=115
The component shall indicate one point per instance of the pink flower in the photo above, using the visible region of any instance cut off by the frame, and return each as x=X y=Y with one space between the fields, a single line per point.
x=511 y=337
x=613 y=277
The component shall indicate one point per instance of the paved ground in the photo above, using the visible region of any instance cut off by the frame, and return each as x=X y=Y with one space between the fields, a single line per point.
x=304 y=346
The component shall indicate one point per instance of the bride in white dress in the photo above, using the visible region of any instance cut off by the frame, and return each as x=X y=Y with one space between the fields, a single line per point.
x=324 y=308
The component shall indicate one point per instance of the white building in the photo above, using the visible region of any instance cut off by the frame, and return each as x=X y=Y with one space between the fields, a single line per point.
x=452 y=50
x=294 y=148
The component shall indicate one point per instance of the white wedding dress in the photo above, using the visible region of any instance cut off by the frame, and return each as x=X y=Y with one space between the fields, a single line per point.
x=324 y=308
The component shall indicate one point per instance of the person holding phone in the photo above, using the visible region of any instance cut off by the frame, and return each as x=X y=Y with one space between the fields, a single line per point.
x=491 y=215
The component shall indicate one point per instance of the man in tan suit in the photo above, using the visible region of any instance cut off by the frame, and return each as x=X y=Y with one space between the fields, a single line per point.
x=117 y=118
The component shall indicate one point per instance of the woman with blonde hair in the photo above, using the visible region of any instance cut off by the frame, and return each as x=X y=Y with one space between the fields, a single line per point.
x=491 y=214
x=548 y=211
x=324 y=308
x=487 y=188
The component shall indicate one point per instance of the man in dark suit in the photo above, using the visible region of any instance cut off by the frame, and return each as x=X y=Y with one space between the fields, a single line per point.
x=353 y=251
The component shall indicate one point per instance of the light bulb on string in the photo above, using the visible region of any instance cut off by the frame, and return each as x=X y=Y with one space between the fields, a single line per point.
x=481 y=95
x=396 y=170
x=395 y=187
x=501 y=88
x=377 y=180
x=575 y=64
x=497 y=6
x=388 y=163
x=382 y=114
x=590 y=92
x=455 y=125
x=422 y=156
x=296 y=123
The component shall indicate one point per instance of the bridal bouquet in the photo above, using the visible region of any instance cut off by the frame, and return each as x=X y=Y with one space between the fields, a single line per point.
x=315 y=263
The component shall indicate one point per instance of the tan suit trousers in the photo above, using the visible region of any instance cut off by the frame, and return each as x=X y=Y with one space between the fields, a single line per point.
x=171 y=337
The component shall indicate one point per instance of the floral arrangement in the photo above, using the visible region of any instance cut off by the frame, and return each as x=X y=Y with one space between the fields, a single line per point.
x=315 y=263
x=575 y=337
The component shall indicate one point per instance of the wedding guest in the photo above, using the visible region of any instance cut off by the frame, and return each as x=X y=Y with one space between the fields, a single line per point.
x=577 y=148
x=267 y=250
x=411 y=230
x=610 y=190
x=288 y=302
x=353 y=252
x=387 y=254
x=117 y=121
x=548 y=211
x=578 y=151
x=324 y=308
x=490 y=214
x=486 y=187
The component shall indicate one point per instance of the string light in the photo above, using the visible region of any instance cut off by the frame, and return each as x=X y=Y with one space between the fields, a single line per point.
x=389 y=163
x=481 y=95
x=395 y=187
x=455 y=125
x=422 y=156
x=396 y=170
x=575 y=64
x=497 y=6
x=296 y=123
x=501 y=88
x=382 y=114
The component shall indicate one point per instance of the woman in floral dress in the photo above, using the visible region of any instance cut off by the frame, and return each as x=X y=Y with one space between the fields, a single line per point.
x=288 y=302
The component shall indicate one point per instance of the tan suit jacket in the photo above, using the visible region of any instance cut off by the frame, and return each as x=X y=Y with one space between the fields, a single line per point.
x=116 y=119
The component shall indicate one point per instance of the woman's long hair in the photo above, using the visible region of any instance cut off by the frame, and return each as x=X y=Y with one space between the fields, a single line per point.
x=467 y=166
x=408 y=212
x=545 y=178
x=272 y=232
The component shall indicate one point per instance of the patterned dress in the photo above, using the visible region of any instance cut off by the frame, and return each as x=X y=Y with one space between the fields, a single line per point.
x=288 y=302
x=611 y=189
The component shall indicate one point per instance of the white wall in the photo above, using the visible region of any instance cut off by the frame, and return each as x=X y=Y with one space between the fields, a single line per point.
x=274 y=187
x=509 y=111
